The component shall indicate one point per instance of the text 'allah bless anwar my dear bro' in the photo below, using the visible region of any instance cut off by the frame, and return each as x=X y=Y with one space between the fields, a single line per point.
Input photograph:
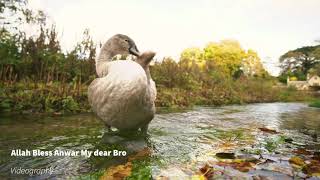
x=70 y=153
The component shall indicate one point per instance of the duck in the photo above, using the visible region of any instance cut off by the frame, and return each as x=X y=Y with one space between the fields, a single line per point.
x=123 y=95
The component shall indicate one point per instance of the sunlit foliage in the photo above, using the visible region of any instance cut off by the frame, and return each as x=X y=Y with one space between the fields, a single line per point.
x=227 y=57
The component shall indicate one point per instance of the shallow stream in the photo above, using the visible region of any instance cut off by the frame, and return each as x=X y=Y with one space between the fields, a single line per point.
x=185 y=144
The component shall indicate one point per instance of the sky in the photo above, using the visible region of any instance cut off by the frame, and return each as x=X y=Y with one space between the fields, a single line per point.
x=270 y=27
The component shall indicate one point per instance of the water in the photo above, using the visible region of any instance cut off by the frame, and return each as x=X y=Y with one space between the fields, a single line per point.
x=178 y=142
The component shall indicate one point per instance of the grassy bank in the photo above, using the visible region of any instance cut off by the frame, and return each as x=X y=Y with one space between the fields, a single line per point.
x=238 y=92
x=27 y=97
x=315 y=103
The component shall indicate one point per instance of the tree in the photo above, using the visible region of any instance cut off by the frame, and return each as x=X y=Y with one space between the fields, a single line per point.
x=251 y=64
x=14 y=13
x=315 y=70
x=300 y=59
x=9 y=54
x=10 y=7
x=193 y=56
x=226 y=55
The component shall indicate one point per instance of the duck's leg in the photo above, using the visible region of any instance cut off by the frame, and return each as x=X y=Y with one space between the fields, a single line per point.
x=108 y=128
x=144 y=129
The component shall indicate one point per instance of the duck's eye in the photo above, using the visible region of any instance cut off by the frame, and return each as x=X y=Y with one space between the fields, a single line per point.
x=126 y=40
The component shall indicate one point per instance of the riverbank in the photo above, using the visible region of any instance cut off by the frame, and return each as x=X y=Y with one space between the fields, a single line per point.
x=61 y=98
x=239 y=92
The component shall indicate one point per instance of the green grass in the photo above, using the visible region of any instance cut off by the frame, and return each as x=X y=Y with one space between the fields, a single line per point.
x=315 y=103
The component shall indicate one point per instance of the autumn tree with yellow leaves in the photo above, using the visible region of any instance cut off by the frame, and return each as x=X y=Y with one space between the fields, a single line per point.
x=227 y=57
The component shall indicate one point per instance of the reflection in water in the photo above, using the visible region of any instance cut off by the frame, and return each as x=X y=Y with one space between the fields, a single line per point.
x=174 y=138
x=305 y=120
x=132 y=142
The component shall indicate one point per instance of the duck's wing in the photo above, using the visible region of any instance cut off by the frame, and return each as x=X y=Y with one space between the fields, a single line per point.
x=92 y=93
x=100 y=99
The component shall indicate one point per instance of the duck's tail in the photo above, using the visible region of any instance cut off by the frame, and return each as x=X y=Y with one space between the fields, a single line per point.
x=145 y=58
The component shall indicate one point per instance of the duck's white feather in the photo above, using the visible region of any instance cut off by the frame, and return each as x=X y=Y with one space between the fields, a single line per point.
x=122 y=97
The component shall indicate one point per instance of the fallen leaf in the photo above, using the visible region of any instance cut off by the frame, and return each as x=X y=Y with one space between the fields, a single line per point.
x=207 y=171
x=247 y=157
x=297 y=161
x=271 y=131
x=225 y=155
x=117 y=172
x=242 y=166
x=288 y=140
x=198 y=177
x=313 y=168
x=302 y=151
x=316 y=156
x=162 y=178
x=141 y=154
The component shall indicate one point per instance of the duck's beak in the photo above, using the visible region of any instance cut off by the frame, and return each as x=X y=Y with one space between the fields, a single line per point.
x=134 y=51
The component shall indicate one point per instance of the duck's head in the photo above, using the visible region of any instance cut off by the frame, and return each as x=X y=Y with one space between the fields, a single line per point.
x=121 y=44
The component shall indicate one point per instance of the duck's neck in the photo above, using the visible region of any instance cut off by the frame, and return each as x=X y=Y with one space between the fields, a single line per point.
x=106 y=53
x=105 y=56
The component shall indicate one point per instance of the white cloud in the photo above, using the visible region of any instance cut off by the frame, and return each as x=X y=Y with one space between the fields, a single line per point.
x=269 y=26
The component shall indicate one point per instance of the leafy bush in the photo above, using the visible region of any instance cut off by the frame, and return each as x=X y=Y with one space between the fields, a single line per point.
x=69 y=104
x=23 y=97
